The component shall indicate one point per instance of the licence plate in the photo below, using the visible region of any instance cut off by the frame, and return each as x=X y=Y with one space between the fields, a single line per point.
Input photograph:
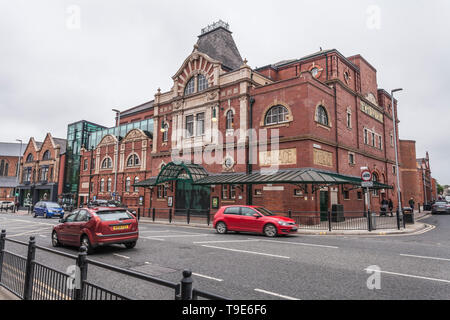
x=124 y=227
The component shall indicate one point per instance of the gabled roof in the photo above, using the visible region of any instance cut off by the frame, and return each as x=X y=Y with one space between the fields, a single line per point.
x=219 y=45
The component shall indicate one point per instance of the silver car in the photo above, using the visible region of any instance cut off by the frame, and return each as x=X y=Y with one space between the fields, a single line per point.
x=440 y=206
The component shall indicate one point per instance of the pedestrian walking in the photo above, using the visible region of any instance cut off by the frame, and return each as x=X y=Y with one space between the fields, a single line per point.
x=412 y=203
x=391 y=206
x=384 y=207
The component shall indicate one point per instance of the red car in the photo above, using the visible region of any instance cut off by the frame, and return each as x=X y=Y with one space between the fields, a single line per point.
x=93 y=227
x=252 y=219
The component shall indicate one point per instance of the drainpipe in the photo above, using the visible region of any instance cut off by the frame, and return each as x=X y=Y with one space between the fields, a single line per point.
x=249 y=153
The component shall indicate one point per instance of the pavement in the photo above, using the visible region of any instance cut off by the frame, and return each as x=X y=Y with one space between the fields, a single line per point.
x=6 y=295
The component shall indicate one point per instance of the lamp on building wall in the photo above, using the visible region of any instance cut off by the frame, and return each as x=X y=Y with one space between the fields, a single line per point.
x=395 y=148
x=214 y=114
x=163 y=128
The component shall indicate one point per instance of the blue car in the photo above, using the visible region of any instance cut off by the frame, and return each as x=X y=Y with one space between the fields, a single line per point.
x=48 y=210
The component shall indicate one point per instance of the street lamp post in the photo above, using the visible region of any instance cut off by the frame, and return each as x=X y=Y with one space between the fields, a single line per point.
x=116 y=157
x=396 y=151
x=18 y=167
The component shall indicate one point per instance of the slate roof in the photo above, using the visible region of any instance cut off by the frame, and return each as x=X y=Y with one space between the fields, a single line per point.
x=62 y=143
x=8 y=182
x=11 y=149
x=219 y=45
x=142 y=107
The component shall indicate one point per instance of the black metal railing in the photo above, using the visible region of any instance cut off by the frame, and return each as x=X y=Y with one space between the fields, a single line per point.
x=31 y=280
x=172 y=215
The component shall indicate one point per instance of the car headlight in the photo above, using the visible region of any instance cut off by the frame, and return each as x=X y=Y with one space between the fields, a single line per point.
x=283 y=223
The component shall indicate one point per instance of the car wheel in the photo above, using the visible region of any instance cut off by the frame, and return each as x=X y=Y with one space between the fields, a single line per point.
x=85 y=242
x=221 y=228
x=130 y=245
x=55 y=241
x=270 y=230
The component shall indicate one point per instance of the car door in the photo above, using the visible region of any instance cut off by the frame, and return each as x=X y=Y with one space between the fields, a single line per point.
x=37 y=207
x=68 y=231
x=231 y=217
x=78 y=225
x=249 y=222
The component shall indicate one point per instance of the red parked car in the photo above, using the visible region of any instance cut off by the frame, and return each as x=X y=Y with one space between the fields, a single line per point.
x=93 y=227
x=252 y=219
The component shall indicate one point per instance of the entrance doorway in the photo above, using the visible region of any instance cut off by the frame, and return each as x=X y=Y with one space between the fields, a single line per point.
x=324 y=205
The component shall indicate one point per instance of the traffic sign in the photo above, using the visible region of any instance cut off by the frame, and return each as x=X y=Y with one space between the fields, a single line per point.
x=367 y=184
x=366 y=175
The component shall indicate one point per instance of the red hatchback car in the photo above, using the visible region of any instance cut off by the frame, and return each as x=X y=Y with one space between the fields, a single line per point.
x=252 y=219
x=93 y=227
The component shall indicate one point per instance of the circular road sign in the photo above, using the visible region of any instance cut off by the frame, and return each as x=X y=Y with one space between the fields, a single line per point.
x=366 y=175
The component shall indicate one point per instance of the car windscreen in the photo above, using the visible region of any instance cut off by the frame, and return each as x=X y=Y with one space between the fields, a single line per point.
x=114 y=215
x=264 y=211
x=53 y=205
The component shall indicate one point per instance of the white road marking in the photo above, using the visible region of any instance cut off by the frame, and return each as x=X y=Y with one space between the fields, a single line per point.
x=28 y=232
x=225 y=241
x=407 y=275
x=251 y=252
x=179 y=236
x=302 y=244
x=206 y=277
x=149 y=238
x=423 y=257
x=121 y=256
x=276 y=294
x=149 y=231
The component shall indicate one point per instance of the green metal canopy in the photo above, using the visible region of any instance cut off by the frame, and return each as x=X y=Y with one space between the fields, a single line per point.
x=197 y=175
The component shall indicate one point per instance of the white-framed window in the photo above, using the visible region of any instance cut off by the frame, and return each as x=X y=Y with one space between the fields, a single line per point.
x=102 y=185
x=373 y=140
x=109 y=185
x=127 y=184
x=133 y=161
x=165 y=135
x=202 y=83
x=380 y=142
x=351 y=158
x=190 y=86
x=349 y=119
x=276 y=114
x=107 y=163
x=366 y=136
x=136 y=181
x=190 y=125
x=229 y=119
x=322 y=116
x=200 y=124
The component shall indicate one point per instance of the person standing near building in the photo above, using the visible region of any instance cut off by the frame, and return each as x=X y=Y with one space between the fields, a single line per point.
x=391 y=206
x=384 y=207
x=411 y=203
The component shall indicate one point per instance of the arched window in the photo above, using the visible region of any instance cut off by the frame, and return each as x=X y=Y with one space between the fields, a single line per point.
x=190 y=86
x=230 y=119
x=127 y=184
x=30 y=157
x=46 y=155
x=202 y=83
x=102 y=185
x=136 y=181
x=109 y=184
x=375 y=179
x=276 y=114
x=133 y=161
x=2 y=166
x=322 y=116
x=107 y=163
x=165 y=135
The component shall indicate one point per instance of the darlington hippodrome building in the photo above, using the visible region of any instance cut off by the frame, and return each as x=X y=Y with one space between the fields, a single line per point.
x=324 y=113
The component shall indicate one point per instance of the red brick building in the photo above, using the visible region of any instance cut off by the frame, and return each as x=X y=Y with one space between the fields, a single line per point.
x=324 y=111
x=9 y=158
x=42 y=170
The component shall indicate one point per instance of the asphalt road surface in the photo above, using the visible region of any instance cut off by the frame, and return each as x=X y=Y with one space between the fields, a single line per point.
x=254 y=267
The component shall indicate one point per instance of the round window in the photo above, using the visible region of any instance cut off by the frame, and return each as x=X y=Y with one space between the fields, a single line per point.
x=315 y=72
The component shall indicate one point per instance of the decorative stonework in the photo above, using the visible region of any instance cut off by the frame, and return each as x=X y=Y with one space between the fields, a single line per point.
x=323 y=158
x=134 y=135
x=282 y=157
x=107 y=140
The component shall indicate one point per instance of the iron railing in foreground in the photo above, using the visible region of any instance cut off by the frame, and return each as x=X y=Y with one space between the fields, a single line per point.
x=32 y=280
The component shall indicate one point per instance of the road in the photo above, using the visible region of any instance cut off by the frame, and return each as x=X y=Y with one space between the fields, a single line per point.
x=253 y=267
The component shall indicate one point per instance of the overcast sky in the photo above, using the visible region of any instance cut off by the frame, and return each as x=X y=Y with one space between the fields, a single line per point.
x=64 y=61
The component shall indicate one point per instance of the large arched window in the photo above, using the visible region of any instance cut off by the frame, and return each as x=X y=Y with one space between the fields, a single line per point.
x=133 y=161
x=276 y=114
x=322 y=115
x=46 y=155
x=202 y=83
x=107 y=163
x=30 y=157
x=190 y=86
x=230 y=119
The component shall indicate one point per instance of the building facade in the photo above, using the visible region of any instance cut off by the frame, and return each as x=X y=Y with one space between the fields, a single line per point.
x=10 y=154
x=42 y=171
x=324 y=111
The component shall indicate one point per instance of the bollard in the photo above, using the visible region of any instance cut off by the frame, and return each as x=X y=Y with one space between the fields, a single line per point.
x=2 y=247
x=208 y=217
x=186 y=285
x=81 y=274
x=170 y=215
x=139 y=214
x=418 y=206
x=290 y=214
x=329 y=220
x=29 y=269
x=369 y=221
x=153 y=214
x=188 y=216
